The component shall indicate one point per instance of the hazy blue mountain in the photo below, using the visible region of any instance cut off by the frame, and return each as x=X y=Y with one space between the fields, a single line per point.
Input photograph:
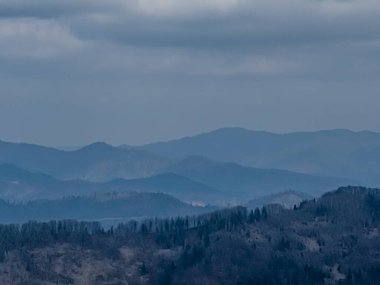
x=21 y=185
x=102 y=162
x=248 y=182
x=173 y=184
x=338 y=153
x=194 y=180
x=96 y=162
x=197 y=179
x=287 y=199
x=103 y=207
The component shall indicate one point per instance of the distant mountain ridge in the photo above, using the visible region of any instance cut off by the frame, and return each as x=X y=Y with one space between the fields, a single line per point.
x=247 y=182
x=118 y=207
x=194 y=180
x=172 y=184
x=17 y=184
x=219 y=167
x=337 y=153
x=95 y=162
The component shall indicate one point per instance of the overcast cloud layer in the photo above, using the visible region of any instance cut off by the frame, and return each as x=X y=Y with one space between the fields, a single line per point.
x=135 y=71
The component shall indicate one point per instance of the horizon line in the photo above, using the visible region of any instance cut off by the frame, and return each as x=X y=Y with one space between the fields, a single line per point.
x=73 y=148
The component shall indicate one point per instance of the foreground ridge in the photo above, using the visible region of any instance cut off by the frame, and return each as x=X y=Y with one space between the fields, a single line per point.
x=331 y=240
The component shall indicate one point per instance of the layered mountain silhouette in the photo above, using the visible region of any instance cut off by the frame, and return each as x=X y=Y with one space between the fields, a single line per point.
x=247 y=182
x=337 y=153
x=176 y=185
x=226 y=166
x=96 y=162
x=194 y=180
x=17 y=184
x=109 y=208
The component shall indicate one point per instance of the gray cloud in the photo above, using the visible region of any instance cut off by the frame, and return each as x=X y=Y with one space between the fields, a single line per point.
x=164 y=68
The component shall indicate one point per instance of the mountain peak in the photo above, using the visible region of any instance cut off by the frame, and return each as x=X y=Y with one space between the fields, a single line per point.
x=99 y=144
x=96 y=146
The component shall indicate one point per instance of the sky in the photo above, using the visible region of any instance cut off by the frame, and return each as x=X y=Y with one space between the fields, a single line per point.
x=136 y=71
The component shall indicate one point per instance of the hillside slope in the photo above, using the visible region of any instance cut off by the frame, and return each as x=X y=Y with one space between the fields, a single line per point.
x=332 y=240
x=287 y=199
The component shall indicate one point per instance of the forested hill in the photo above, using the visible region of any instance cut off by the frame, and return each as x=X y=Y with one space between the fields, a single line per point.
x=332 y=240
